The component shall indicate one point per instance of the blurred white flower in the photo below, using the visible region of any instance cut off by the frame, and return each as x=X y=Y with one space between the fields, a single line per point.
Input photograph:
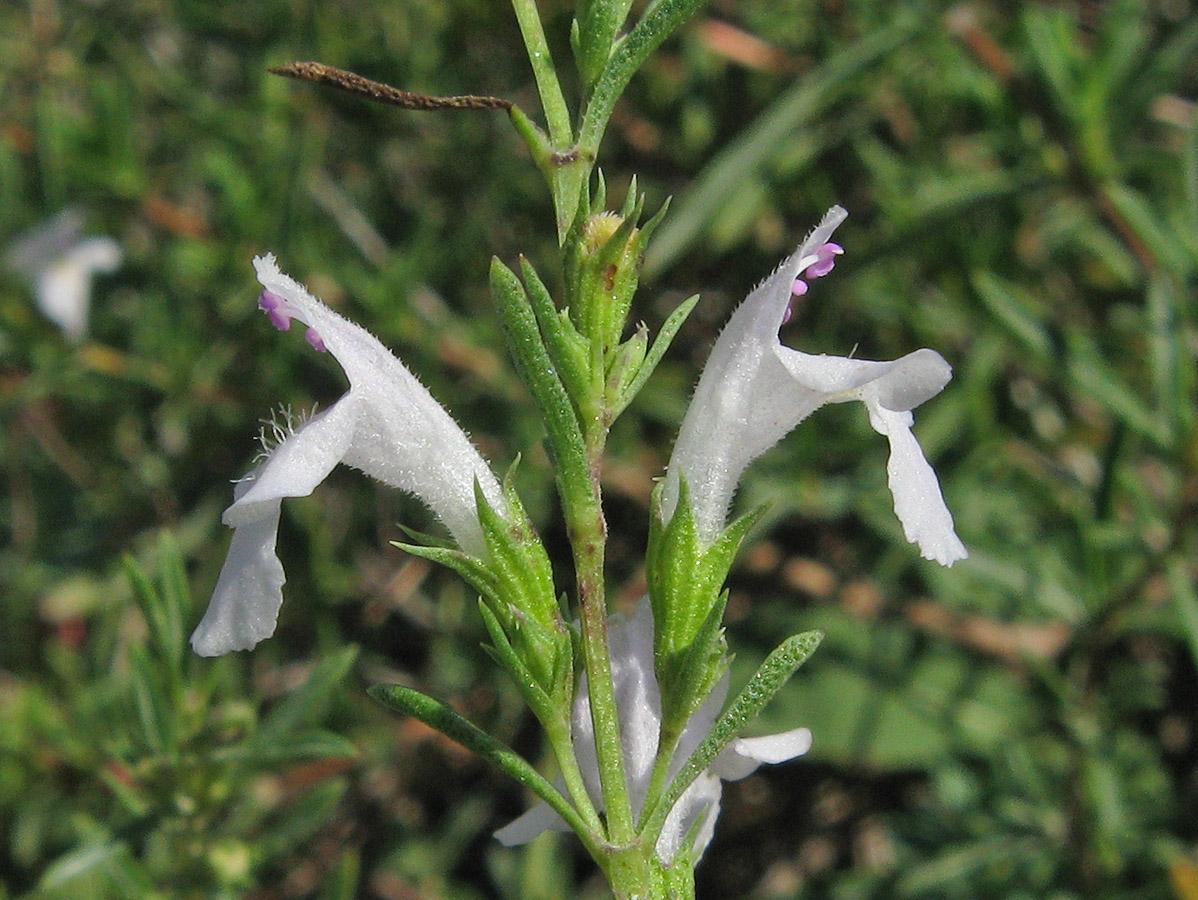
x=388 y=425
x=638 y=700
x=753 y=391
x=60 y=264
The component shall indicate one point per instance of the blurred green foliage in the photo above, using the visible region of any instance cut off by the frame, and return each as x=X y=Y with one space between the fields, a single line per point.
x=1022 y=180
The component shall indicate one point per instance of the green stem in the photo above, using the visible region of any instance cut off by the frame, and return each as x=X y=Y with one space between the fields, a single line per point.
x=588 y=535
x=668 y=744
x=553 y=101
x=566 y=168
x=561 y=739
x=635 y=873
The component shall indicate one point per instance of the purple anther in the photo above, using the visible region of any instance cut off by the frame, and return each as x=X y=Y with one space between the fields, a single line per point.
x=276 y=308
x=314 y=339
x=799 y=288
x=825 y=260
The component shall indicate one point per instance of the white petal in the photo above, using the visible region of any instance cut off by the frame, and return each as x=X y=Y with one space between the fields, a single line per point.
x=301 y=462
x=918 y=501
x=101 y=254
x=745 y=401
x=638 y=698
x=524 y=828
x=742 y=757
x=63 y=293
x=899 y=384
x=406 y=438
x=702 y=798
x=753 y=391
x=245 y=604
x=911 y=380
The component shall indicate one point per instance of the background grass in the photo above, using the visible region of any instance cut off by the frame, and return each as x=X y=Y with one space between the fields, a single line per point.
x=1022 y=180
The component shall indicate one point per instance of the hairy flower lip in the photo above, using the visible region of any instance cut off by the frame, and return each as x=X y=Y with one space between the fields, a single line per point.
x=753 y=391
x=387 y=425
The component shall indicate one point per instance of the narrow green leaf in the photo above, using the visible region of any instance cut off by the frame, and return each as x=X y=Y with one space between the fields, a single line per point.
x=765 y=683
x=596 y=26
x=305 y=705
x=303 y=816
x=1144 y=218
x=718 y=558
x=155 y=714
x=439 y=715
x=553 y=101
x=164 y=625
x=1092 y=372
x=537 y=370
x=1055 y=44
x=307 y=746
x=101 y=862
x=469 y=567
x=176 y=600
x=567 y=348
x=1173 y=379
x=1015 y=312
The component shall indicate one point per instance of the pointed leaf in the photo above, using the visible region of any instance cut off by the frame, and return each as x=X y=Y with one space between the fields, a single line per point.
x=537 y=370
x=659 y=21
x=566 y=346
x=469 y=567
x=155 y=713
x=766 y=681
x=439 y=715
x=661 y=343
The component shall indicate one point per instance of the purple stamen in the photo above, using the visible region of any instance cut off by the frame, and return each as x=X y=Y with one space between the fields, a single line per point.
x=825 y=260
x=799 y=288
x=276 y=308
x=315 y=340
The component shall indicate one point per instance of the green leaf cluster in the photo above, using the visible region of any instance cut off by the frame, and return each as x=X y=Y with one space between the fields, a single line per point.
x=686 y=579
x=529 y=635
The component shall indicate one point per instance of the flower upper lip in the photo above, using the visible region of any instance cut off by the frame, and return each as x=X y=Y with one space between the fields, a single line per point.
x=754 y=390
x=387 y=424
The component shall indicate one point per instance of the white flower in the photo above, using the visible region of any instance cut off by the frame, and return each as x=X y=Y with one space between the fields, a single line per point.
x=638 y=700
x=387 y=424
x=753 y=391
x=60 y=265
